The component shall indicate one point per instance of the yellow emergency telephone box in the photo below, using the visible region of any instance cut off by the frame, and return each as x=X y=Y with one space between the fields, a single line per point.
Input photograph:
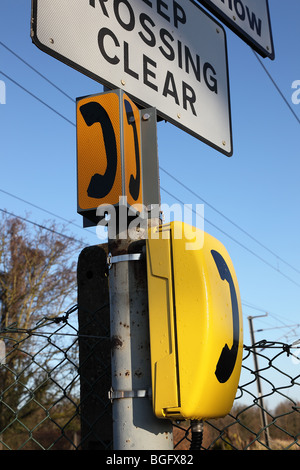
x=195 y=320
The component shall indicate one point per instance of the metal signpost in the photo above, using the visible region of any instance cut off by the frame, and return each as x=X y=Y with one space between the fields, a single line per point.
x=249 y=19
x=164 y=54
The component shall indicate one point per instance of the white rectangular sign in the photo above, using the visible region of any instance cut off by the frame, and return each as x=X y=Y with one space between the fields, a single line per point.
x=249 y=19
x=167 y=54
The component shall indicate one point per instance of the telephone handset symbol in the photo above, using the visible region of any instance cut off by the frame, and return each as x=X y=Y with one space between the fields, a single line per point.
x=134 y=182
x=227 y=359
x=101 y=185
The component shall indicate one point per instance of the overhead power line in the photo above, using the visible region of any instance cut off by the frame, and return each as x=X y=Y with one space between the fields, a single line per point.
x=36 y=97
x=229 y=220
x=277 y=87
x=282 y=319
x=296 y=325
x=236 y=241
x=43 y=227
x=175 y=179
x=40 y=208
x=36 y=71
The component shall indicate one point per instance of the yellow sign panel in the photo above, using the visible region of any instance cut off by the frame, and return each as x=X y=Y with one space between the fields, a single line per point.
x=132 y=152
x=108 y=151
x=195 y=320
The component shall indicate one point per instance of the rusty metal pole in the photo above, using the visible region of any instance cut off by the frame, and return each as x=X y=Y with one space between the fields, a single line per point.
x=135 y=426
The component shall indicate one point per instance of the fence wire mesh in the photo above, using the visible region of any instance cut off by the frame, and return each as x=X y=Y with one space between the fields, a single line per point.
x=55 y=378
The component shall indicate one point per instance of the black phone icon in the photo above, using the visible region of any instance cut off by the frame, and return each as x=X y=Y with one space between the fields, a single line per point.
x=134 y=182
x=227 y=359
x=101 y=185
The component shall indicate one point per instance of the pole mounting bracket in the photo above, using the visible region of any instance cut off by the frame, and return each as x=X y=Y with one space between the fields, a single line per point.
x=117 y=259
x=117 y=394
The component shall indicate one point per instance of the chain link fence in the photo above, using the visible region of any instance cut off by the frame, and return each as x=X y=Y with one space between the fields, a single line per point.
x=55 y=379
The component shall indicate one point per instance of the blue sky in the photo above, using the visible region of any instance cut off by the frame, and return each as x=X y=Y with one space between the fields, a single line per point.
x=257 y=189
